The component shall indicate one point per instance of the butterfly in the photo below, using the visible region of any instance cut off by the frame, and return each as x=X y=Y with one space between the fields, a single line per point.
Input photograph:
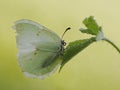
x=39 y=48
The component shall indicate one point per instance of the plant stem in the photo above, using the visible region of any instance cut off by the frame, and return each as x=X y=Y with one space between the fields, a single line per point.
x=105 y=39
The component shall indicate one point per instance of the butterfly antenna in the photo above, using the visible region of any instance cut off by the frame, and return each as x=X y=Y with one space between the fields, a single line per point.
x=65 y=32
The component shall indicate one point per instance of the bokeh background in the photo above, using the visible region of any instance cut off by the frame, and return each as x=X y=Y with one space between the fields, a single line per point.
x=95 y=68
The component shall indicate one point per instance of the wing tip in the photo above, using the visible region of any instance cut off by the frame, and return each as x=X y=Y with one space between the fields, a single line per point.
x=19 y=21
x=26 y=21
x=22 y=21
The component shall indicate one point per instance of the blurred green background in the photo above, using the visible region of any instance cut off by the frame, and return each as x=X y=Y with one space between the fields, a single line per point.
x=95 y=68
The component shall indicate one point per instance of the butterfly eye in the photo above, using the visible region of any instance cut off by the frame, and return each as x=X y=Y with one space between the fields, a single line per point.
x=63 y=43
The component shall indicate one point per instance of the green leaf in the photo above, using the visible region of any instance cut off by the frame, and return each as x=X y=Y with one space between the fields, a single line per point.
x=74 y=48
x=92 y=27
x=77 y=46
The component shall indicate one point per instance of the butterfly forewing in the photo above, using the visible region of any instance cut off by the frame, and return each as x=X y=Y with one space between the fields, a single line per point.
x=36 y=44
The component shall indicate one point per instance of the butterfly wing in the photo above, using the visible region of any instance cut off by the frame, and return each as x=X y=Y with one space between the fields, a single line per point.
x=36 y=45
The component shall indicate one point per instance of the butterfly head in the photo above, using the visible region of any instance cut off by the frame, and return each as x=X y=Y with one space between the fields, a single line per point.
x=63 y=43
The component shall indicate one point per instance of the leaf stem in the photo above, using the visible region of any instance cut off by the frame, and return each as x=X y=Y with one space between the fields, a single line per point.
x=105 y=39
